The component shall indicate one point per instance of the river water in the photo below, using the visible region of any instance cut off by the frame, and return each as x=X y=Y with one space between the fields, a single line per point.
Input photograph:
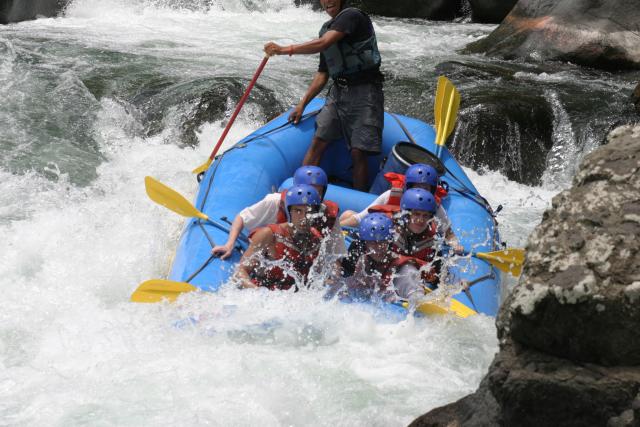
x=93 y=101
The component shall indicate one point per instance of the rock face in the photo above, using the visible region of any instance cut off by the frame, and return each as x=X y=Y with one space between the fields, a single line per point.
x=569 y=336
x=587 y=32
x=635 y=97
x=23 y=10
x=490 y=11
x=437 y=10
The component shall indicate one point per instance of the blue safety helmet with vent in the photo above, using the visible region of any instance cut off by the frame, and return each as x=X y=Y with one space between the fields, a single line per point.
x=421 y=174
x=301 y=194
x=418 y=199
x=376 y=227
x=310 y=175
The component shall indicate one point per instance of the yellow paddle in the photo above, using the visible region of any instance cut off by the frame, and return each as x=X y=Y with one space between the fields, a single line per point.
x=437 y=108
x=509 y=260
x=445 y=111
x=156 y=290
x=171 y=199
x=438 y=307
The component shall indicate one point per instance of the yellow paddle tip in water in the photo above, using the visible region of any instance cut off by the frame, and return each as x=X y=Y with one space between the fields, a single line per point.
x=202 y=168
x=439 y=308
x=157 y=290
x=508 y=260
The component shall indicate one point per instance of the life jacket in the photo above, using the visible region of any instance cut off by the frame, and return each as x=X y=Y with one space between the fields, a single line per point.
x=420 y=247
x=329 y=212
x=428 y=275
x=274 y=277
x=388 y=270
x=398 y=182
x=344 y=59
x=440 y=194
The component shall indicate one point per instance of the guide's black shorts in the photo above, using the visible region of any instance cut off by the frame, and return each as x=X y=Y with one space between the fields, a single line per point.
x=355 y=112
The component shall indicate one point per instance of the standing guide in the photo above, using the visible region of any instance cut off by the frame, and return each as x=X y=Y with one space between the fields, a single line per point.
x=354 y=108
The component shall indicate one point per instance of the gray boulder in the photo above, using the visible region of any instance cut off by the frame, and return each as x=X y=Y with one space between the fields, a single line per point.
x=490 y=11
x=569 y=336
x=587 y=32
x=437 y=10
x=579 y=297
x=23 y=10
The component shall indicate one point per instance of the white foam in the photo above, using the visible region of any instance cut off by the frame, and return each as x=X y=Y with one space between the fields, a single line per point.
x=73 y=350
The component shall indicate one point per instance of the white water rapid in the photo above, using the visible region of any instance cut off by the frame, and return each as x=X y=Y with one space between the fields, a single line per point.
x=79 y=234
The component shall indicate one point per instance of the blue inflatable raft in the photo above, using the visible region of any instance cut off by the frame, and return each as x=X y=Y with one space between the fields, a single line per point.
x=263 y=161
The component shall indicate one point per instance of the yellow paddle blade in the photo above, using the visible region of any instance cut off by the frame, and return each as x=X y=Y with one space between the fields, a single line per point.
x=203 y=167
x=156 y=290
x=171 y=199
x=437 y=107
x=452 y=111
x=509 y=260
x=447 y=113
x=439 y=308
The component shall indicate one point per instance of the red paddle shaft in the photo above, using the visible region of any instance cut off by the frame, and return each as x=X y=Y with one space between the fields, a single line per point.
x=239 y=107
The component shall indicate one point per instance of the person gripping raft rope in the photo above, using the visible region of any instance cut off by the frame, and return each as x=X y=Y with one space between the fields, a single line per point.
x=271 y=210
x=280 y=256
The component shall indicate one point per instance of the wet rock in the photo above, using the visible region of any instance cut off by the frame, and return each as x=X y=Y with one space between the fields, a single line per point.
x=577 y=297
x=569 y=337
x=531 y=122
x=23 y=10
x=635 y=97
x=220 y=101
x=438 y=10
x=475 y=410
x=587 y=32
x=490 y=11
x=510 y=131
x=536 y=389
x=188 y=105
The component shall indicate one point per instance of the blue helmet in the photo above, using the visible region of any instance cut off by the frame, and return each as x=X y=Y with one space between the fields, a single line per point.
x=419 y=199
x=376 y=227
x=310 y=175
x=302 y=195
x=421 y=174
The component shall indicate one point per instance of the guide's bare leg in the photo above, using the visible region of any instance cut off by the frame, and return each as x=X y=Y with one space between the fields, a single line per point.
x=314 y=153
x=360 y=170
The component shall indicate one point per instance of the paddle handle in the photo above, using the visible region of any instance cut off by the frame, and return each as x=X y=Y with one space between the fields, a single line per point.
x=239 y=107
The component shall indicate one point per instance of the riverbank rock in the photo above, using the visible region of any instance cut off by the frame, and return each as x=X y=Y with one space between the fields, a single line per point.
x=587 y=32
x=436 y=10
x=24 y=10
x=490 y=11
x=569 y=337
